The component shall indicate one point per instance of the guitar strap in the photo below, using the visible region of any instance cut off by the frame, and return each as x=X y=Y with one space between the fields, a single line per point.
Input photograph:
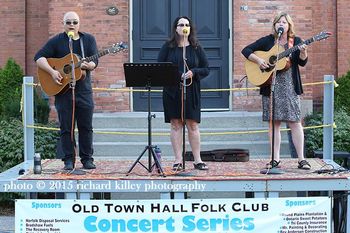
x=290 y=44
x=82 y=47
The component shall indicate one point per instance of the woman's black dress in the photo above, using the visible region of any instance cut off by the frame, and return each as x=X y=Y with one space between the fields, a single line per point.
x=172 y=96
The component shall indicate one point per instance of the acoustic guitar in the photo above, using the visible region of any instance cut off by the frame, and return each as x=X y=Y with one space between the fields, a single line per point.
x=260 y=77
x=63 y=65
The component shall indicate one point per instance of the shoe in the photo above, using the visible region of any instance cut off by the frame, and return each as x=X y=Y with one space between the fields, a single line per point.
x=200 y=166
x=273 y=163
x=68 y=165
x=303 y=164
x=89 y=165
x=177 y=167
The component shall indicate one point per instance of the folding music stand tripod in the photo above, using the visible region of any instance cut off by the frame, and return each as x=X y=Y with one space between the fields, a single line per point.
x=150 y=75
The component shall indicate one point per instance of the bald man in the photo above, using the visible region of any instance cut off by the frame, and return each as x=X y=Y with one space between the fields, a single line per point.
x=84 y=45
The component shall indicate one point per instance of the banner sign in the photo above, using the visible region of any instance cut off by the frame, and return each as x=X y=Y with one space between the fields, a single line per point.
x=273 y=215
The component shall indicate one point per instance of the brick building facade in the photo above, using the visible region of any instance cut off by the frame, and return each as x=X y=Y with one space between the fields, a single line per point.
x=28 y=24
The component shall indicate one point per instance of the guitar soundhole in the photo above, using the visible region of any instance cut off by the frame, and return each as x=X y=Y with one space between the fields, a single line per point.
x=67 y=69
x=272 y=60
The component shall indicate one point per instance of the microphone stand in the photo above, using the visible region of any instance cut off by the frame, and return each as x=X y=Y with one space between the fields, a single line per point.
x=273 y=170
x=184 y=103
x=72 y=86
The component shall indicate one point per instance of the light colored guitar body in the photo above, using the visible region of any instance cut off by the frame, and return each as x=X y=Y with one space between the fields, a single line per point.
x=63 y=66
x=259 y=77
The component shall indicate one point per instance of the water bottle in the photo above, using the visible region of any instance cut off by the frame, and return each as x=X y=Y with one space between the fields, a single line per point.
x=158 y=153
x=37 y=163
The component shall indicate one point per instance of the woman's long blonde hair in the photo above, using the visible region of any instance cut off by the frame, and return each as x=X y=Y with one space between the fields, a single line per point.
x=291 y=30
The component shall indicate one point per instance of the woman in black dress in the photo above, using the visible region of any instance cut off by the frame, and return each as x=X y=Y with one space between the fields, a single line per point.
x=183 y=41
x=288 y=87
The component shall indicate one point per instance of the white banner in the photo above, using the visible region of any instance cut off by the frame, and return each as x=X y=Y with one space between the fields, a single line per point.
x=273 y=215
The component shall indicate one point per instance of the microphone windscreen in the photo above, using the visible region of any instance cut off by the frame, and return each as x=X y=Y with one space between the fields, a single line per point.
x=70 y=34
x=280 y=30
x=185 y=31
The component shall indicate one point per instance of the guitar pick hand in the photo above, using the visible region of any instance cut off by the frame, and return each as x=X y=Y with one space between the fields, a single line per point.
x=262 y=64
x=57 y=77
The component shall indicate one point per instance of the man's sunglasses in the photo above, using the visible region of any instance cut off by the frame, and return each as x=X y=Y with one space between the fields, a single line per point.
x=71 y=22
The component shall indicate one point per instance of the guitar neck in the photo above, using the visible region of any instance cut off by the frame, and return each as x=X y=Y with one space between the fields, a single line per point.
x=294 y=48
x=91 y=58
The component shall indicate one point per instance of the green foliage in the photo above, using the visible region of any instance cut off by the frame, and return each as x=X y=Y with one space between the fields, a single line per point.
x=10 y=89
x=11 y=143
x=41 y=109
x=341 y=93
x=7 y=200
x=45 y=141
x=12 y=108
x=11 y=79
x=314 y=137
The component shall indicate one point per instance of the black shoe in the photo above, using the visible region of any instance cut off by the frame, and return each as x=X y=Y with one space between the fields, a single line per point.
x=177 y=167
x=89 y=165
x=68 y=165
x=200 y=166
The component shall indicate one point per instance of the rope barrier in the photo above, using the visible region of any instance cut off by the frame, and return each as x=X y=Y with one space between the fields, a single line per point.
x=167 y=134
x=202 y=133
x=203 y=90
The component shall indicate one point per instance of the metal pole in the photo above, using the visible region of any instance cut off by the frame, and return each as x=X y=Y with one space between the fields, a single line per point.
x=28 y=118
x=328 y=117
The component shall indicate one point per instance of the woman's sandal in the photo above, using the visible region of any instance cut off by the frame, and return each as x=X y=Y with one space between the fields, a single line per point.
x=200 y=166
x=273 y=163
x=303 y=164
x=177 y=167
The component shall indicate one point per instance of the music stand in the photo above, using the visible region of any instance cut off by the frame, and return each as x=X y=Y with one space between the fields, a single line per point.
x=150 y=75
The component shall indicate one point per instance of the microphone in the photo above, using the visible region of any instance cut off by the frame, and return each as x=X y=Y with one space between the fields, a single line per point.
x=280 y=31
x=70 y=34
x=185 y=31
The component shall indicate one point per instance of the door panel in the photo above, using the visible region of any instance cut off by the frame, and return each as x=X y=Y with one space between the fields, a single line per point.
x=152 y=26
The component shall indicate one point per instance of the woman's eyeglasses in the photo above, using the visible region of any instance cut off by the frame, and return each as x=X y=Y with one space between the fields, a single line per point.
x=183 y=25
x=71 y=22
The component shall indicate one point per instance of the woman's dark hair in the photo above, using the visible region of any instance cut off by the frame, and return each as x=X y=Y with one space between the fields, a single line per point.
x=192 y=37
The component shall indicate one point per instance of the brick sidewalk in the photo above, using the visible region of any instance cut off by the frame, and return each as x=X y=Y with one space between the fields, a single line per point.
x=7 y=224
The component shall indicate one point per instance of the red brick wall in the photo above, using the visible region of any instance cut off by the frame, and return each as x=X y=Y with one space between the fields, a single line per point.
x=28 y=24
x=343 y=34
x=12 y=36
x=37 y=31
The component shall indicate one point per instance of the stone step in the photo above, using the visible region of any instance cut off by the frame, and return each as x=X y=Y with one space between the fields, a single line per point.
x=126 y=134
x=140 y=120
x=160 y=134
x=258 y=149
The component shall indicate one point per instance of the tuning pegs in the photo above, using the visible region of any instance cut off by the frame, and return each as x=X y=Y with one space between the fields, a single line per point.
x=122 y=45
x=327 y=33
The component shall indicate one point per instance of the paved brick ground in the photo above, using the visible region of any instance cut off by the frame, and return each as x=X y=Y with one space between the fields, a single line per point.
x=7 y=224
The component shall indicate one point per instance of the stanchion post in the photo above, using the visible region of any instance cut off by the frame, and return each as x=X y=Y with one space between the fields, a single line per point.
x=28 y=118
x=328 y=117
